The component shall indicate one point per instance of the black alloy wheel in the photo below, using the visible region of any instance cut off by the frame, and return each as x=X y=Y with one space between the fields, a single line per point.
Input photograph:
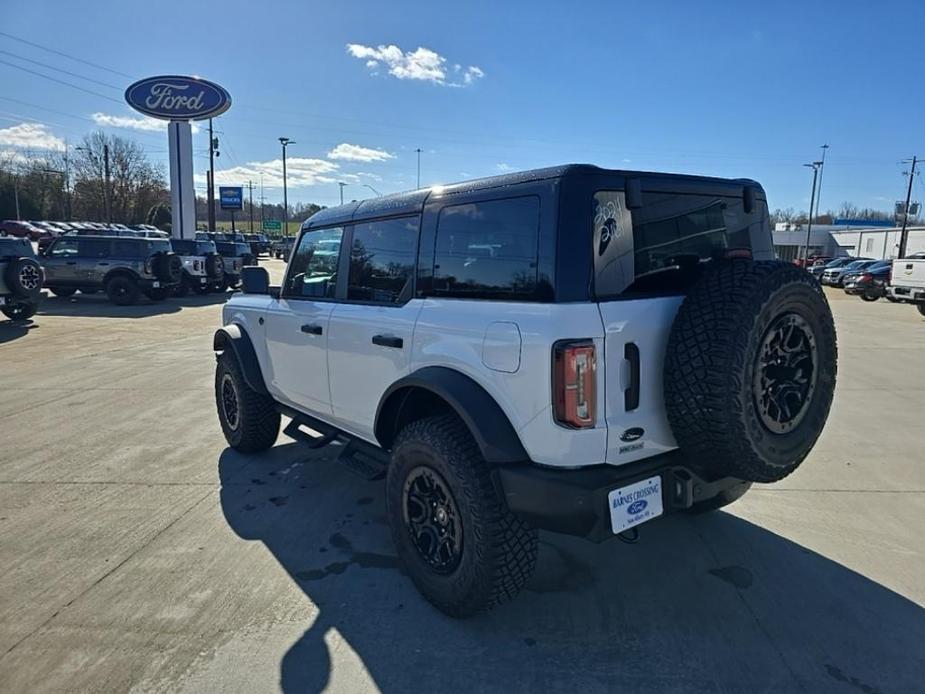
x=785 y=373
x=433 y=520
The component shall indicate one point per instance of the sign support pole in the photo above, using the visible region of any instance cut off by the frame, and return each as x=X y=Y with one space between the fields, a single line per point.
x=182 y=193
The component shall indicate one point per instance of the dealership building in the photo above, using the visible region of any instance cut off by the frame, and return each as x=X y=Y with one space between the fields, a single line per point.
x=868 y=239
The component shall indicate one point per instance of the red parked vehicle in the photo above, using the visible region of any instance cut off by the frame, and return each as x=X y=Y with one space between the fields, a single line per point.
x=21 y=229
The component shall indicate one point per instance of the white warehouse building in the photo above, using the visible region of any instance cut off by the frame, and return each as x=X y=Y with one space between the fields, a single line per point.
x=835 y=240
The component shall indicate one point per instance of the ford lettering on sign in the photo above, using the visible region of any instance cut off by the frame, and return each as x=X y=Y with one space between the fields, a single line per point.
x=174 y=97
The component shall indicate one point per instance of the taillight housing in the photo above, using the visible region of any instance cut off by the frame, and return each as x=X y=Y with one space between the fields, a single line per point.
x=866 y=278
x=149 y=265
x=574 y=383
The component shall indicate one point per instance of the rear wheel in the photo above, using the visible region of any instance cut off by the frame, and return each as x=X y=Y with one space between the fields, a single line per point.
x=921 y=308
x=249 y=419
x=869 y=297
x=122 y=290
x=19 y=310
x=158 y=293
x=460 y=544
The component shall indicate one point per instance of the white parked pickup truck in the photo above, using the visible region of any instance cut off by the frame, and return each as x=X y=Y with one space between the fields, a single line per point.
x=907 y=281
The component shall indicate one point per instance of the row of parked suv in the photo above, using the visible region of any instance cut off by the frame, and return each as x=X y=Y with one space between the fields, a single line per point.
x=125 y=266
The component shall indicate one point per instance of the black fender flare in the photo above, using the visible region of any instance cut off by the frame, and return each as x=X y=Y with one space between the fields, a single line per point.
x=233 y=337
x=492 y=430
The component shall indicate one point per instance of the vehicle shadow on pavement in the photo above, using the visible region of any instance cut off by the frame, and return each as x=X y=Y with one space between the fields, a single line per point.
x=702 y=604
x=14 y=329
x=99 y=306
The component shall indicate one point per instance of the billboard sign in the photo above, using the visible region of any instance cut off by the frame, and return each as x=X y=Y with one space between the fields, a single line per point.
x=231 y=197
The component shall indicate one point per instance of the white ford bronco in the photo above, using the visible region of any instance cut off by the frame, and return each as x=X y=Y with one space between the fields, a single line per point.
x=572 y=349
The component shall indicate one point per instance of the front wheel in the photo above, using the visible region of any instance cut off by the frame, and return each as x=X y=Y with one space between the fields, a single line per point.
x=460 y=544
x=63 y=292
x=869 y=297
x=921 y=308
x=19 y=310
x=249 y=419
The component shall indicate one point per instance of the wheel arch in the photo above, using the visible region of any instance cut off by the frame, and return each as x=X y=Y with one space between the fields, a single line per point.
x=121 y=272
x=234 y=338
x=433 y=389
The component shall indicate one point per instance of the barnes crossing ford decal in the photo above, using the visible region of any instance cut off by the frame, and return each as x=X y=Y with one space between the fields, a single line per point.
x=173 y=97
x=632 y=434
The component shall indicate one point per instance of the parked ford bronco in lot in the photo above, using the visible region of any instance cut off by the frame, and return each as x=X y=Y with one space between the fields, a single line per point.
x=203 y=267
x=573 y=349
x=235 y=256
x=20 y=278
x=122 y=266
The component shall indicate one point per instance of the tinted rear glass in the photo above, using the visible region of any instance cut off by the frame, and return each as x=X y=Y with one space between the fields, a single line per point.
x=488 y=250
x=234 y=249
x=669 y=238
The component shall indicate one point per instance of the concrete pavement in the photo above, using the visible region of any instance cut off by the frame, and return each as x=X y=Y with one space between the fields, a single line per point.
x=138 y=553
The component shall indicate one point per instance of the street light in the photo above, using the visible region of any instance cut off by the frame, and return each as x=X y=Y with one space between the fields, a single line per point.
x=285 y=142
x=341 y=184
x=378 y=194
x=815 y=166
x=365 y=185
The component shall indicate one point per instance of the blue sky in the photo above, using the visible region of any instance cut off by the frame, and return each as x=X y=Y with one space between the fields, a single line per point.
x=728 y=89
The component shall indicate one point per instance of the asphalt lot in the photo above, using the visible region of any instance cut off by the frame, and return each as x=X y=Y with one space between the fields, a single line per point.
x=138 y=553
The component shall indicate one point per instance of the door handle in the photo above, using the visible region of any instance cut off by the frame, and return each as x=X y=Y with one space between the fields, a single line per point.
x=71 y=262
x=388 y=341
x=312 y=329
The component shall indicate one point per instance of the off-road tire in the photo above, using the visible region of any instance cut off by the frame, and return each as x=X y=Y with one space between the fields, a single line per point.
x=62 y=292
x=168 y=267
x=215 y=268
x=158 y=293
x=724 y=498
x=122 y=290
x=24 y=277
x=869 y=297
x=921 y=308
x=712 y=368
x=498 y=550
x=20 y=310
x=257 y=424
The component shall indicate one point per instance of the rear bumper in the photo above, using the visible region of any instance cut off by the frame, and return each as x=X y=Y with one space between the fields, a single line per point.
x=153 y=283
x=872 y=289
x=574 y=502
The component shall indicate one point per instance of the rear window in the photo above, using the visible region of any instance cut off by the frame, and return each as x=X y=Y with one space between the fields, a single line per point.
x=159 y=246
x=488 y=250
x=661 y=246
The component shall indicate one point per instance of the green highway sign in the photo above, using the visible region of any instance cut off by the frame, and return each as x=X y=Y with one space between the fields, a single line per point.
x=272 y=225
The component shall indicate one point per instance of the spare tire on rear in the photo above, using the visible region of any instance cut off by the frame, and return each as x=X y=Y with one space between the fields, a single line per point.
x=215 y=268
x=750 y=369
x=168 y=267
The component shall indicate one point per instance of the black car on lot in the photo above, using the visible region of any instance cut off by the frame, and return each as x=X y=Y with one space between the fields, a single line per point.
x=871 y=282
x=20 y=278
x=259 y=243
x=122 y=266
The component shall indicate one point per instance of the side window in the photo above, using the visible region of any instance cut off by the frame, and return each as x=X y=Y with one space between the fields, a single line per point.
x=313 y=268
x=488 y=250
x=382 y=260
x=65 y=247
x=613 y=243
x=124 y=248
x=93 y=248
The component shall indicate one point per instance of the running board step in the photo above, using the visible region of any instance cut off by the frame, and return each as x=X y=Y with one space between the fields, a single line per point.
x=294 y=431
x=368 y=462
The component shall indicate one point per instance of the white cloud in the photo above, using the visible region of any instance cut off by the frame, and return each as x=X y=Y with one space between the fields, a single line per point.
x=30 y=136
x=349 y=152
x=300 y=172
x=504 y=167
x=420 y=64
x=371 y=176
x=140 y=123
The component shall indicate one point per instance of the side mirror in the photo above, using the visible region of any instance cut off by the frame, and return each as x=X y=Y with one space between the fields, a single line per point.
x=255 y=280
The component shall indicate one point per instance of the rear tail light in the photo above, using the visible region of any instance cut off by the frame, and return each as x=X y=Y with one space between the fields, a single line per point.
x=866 y=278
x=197 y=265
x=149 y=265
x=574 y=384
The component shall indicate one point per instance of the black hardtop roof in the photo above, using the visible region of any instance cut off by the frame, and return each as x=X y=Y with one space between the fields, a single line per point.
x=411 y=202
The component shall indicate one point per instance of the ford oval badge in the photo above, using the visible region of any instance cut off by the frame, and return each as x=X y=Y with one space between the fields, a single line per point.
x=632 y=434
x=174 y=97
x=637 y=507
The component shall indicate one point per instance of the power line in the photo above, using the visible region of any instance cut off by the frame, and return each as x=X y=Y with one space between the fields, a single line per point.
x=55 y=79
x=58 y=69
x=65 y=55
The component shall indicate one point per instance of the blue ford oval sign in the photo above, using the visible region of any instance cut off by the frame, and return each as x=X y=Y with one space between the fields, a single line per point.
x=174 y=97
x=637 y=507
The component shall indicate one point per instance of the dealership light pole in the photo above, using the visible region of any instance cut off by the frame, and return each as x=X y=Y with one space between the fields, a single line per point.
x=815 y=166
x=341 y=184
x=285 y=142
x=904 y=232
x=821 y=172
x=418 y=150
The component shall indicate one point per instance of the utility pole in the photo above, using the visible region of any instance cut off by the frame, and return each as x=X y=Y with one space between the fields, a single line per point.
x=67 y=186
x=261 y=201
x=341 y=184
x=821 y=171
x=210 y=188
x=108 y=190
x=16 y=195
x=903 y=234
x=285 y=142
x=418 y=150
x=812 y=198
x=250 y=190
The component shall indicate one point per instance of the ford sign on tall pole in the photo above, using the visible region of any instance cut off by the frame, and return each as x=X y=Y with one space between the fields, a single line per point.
x=179 y=100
